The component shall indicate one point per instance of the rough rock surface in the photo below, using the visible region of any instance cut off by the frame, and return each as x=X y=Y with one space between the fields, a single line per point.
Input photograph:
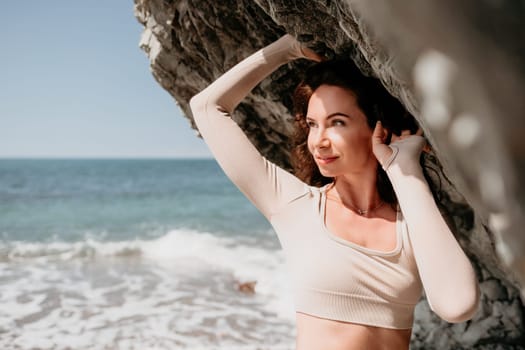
x=459 y=67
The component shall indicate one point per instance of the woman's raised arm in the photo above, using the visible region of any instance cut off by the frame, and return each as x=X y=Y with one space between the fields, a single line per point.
x=265 y=184
x=447 y=275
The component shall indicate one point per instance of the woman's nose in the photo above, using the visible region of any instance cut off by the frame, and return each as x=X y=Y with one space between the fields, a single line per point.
x=322 y=140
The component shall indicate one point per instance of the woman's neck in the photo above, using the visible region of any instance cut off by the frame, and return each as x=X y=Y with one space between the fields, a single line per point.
x=356 y=190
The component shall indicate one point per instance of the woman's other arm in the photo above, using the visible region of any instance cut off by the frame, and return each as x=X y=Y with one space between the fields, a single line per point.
x=447 y=275
x=265 y=184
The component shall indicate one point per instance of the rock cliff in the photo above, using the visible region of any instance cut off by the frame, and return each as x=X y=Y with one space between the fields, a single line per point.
x=459 y=67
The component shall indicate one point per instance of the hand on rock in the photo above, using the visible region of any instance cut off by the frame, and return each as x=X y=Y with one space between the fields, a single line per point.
x=311 y=54
x=301 y=51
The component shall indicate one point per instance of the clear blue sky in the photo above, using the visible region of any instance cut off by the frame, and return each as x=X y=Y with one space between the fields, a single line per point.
x=74 y=83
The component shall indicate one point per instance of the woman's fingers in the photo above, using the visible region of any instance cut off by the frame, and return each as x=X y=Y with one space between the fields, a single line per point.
x=379 y=135
x=311 y=54
x=379 y=148
x=427 y=148
x=406 y=133
x=298 y=50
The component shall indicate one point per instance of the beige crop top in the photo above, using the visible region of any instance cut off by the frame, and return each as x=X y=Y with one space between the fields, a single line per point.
x=334 y=278
x=339 y=280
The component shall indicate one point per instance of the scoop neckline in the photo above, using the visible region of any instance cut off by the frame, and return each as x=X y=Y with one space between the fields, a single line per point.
x=322 y=216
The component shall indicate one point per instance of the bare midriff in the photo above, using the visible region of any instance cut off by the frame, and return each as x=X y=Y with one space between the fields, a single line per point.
x=315 y=333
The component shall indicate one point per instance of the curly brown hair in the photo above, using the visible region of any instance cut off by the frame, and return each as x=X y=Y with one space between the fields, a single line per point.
x=373 y=99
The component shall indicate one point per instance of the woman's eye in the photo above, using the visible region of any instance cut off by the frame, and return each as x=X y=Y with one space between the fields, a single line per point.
x=338 y=123
x=310 y=124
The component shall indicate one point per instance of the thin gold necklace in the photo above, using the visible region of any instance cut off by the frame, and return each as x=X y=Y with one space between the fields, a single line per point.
x=358 y=211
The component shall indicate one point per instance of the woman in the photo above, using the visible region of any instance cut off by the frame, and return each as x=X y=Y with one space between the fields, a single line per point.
x=358 y=264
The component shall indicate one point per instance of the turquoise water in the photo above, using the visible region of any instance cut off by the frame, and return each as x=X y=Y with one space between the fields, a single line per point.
x=42 y=200
x=145 y=254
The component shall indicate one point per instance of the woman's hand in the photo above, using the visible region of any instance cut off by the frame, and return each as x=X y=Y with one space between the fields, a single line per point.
x=410 y=145
x=311 y=54
x=301 y=51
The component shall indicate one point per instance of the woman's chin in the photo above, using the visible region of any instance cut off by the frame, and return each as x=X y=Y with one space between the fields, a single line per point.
x=326 y=172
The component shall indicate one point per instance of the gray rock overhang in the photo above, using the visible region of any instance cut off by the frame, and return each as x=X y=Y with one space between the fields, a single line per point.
x=458 y=67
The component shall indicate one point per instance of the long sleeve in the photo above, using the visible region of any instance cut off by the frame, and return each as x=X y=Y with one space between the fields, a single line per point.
x=264 y=183
x=447 y=275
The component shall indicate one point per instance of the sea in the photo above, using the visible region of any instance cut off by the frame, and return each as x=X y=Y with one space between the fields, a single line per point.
x=136 y=254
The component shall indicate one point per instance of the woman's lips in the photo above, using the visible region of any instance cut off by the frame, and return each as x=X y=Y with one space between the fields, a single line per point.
x=325 y=160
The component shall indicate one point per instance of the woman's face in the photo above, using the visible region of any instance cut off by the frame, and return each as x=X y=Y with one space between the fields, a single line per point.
x=339 y=138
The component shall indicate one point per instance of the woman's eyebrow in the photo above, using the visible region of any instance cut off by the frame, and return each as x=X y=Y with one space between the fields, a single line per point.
x=332 y=115
x=337 y=114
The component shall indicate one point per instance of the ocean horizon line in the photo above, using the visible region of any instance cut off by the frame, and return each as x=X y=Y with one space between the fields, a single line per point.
x=106 y=158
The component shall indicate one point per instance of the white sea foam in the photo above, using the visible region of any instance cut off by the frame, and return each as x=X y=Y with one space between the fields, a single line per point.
x=247 y=263
x=177 y=291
